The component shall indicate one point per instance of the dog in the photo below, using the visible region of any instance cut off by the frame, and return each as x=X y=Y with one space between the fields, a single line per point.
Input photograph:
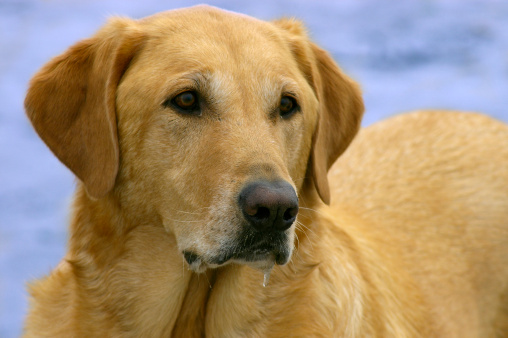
x=209 y=201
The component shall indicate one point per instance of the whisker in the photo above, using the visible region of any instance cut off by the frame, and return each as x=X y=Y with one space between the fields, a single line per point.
x=184 y=221
x=311 y=209
x=195 y=212
x=305 y=233
x=189 y=212
x=306 y=227
x=305 y=216
x=296 y=252
x=315 y=210
x=206 y=276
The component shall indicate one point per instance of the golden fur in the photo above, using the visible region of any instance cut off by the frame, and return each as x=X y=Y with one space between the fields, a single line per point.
x=413 y=244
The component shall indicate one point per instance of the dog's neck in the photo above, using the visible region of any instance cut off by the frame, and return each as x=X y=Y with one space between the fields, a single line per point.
x=133 y=275
x=144 y=280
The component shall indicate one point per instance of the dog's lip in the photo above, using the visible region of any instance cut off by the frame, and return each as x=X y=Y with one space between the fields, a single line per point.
x=253 y=249
x=195 y=261
x=280 y=258
x=191 y=257
x=262 y=251
x=254 y=255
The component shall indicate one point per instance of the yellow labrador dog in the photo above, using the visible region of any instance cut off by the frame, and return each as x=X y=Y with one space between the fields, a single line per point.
x=202 y=141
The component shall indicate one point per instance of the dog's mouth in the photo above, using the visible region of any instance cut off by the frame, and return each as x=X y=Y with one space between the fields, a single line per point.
x=265 y=251
x=258 y=251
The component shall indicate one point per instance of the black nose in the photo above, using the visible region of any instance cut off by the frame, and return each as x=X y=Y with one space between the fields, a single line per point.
x=269 y=205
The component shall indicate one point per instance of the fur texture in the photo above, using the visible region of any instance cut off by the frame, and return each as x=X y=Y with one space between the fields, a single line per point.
x=413 y=243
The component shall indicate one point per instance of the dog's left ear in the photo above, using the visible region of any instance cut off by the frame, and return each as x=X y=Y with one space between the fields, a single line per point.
x=340 y=115
x=340 y=104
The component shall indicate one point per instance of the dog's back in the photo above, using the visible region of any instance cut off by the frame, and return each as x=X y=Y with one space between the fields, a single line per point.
x=433 y=190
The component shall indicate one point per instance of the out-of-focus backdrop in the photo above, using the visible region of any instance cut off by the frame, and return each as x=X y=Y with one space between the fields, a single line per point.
x=406 y=54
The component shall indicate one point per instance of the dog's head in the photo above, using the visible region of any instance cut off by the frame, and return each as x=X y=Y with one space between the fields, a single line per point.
x=210 y=122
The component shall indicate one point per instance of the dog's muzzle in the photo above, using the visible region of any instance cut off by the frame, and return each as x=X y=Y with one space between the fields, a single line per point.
x=269 y=210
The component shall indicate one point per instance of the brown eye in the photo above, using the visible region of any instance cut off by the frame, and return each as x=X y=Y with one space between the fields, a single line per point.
x=187 y=102
x=287 y=106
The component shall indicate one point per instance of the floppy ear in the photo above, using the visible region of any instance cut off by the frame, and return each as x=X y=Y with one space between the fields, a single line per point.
x=340 y=114
x=340 y=104
x=71 y=104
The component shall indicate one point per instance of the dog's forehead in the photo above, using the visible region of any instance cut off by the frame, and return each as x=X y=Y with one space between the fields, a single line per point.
x=217 y=38
x=199 y=12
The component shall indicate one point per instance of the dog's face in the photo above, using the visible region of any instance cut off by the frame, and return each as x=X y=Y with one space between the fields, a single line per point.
x=209 y=113
x=211 y=123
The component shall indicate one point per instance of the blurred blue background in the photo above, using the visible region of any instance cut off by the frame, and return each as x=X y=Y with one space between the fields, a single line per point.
x=406 y=55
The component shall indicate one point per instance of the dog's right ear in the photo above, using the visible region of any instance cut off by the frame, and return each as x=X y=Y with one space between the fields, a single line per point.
x=71 y=103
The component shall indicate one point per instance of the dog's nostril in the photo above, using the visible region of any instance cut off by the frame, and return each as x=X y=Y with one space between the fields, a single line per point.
x=262 y=213
x=290 y=214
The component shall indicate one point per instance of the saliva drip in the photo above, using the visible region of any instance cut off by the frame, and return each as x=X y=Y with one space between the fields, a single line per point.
x=266 y=275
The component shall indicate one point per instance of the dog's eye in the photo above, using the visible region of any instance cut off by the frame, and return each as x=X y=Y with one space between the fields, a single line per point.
x=187 y=102
x=288 y=106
